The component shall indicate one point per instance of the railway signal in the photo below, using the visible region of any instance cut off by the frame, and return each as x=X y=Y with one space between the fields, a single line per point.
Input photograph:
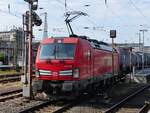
x=34 y=3
x=36 y=19
x=113 y=35
x=30 y=19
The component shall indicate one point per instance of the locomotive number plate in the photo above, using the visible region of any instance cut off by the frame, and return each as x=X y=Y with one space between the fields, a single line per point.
x=55 y=73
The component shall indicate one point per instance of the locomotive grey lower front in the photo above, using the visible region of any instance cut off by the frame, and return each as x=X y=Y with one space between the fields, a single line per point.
x=57 y=88
x=72 y=89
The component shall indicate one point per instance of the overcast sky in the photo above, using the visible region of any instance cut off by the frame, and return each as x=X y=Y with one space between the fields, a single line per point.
x=126 y=16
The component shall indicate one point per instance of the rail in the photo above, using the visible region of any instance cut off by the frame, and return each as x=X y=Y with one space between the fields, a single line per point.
x=65 y=108
x=10 y=77
x=145 y=108
x=44 y=104
x=33 y=108
x=74 y=103
x=7 y=94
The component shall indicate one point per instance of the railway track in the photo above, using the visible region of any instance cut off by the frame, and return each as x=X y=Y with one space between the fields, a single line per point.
x=52 y=107
x=88 y=105
x=10 y=94
x=39 y=107
x=49 y=106
x=115 y=108
x=10 y=77
x=57 y=106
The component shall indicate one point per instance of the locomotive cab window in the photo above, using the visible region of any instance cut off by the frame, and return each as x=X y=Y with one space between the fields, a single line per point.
x=57 y=51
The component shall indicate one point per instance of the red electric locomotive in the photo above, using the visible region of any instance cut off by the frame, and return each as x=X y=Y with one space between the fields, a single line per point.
x=69 y=65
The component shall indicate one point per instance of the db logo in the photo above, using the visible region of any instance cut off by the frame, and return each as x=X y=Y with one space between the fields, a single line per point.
x=55 y=73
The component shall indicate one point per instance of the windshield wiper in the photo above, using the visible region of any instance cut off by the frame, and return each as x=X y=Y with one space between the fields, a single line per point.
x=55 y=52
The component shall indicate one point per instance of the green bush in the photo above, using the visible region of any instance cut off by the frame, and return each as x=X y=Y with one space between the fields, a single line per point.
x=17 y=68
x=1 y=57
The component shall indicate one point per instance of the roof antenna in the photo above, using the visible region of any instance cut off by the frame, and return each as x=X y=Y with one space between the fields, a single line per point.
x=9 y=8
x=106 y=3
x=70 y=16
x=66 y=5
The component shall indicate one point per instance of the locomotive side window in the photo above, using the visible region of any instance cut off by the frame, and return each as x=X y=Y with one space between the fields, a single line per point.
x=57 y=51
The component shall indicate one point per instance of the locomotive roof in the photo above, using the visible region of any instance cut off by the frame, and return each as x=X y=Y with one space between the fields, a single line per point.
x=60 y=40
x=94 y=43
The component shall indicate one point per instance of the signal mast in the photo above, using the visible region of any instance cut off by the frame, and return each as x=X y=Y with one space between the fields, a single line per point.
x=30 y=19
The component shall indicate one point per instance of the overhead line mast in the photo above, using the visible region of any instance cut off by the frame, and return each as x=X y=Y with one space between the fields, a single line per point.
x=45 y=32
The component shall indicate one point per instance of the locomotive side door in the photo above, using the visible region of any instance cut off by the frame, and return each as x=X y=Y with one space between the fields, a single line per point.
x=90 y=65
x=87 y=57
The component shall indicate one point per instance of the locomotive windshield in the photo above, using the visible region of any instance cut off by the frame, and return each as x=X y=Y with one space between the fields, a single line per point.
x=57 y=51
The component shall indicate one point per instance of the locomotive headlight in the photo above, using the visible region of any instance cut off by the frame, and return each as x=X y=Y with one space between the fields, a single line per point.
x=76 y=73
x=37 y=73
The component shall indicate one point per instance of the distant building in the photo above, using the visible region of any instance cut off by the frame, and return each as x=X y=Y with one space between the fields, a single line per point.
x=135 y=46
x=12 y=46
